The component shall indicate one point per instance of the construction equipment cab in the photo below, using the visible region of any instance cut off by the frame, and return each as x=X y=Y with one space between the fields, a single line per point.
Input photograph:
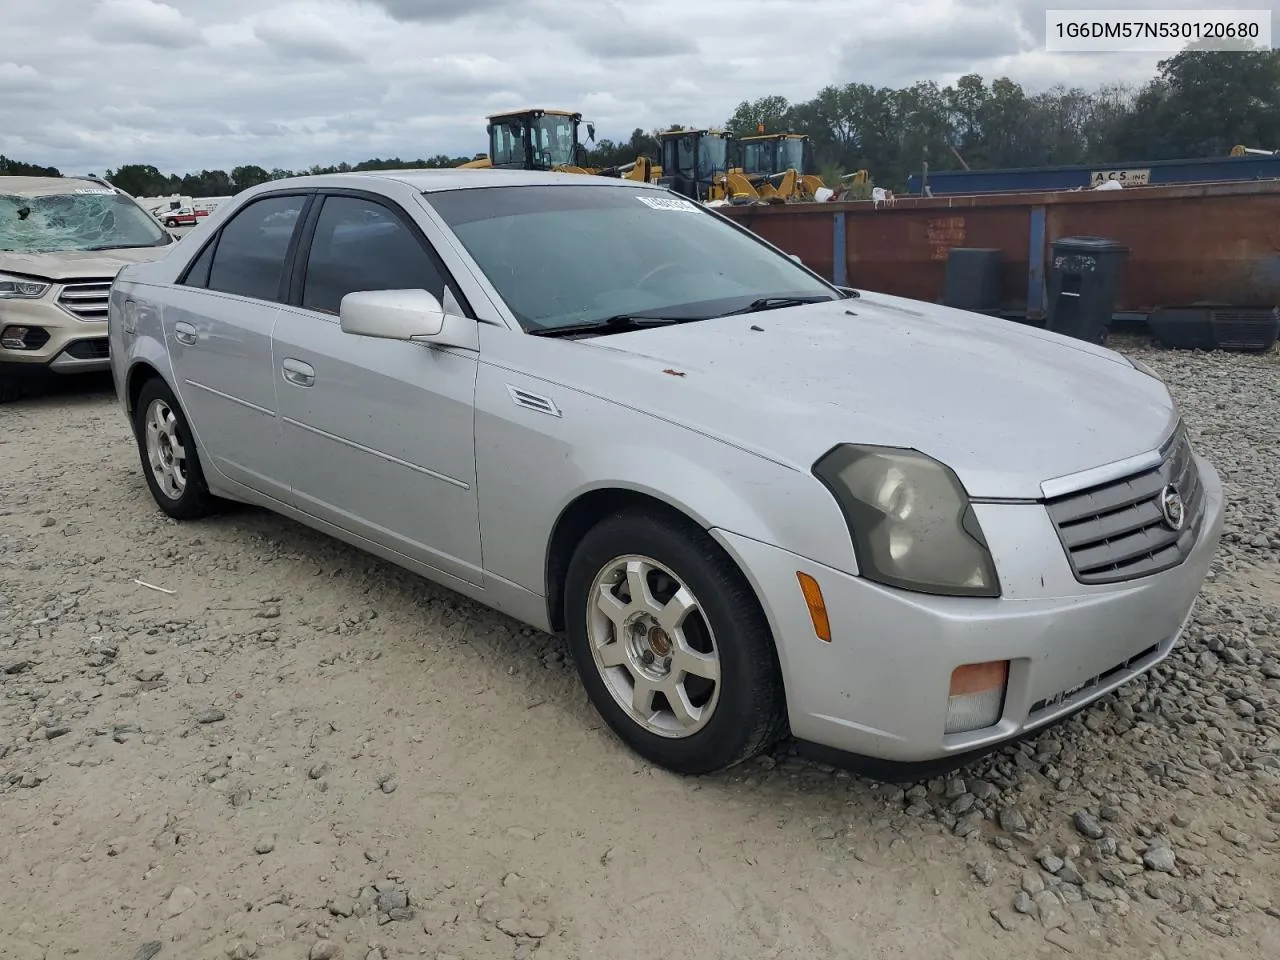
x=695 y=163
x=534 y=139
x=780 y=166
x=770 y=154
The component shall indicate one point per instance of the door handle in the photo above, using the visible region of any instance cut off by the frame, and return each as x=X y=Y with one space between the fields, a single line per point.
x=298 y=373
x=185 y=332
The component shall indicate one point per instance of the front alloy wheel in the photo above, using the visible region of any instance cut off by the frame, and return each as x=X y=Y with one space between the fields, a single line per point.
x=653 y=646
x=671 y=643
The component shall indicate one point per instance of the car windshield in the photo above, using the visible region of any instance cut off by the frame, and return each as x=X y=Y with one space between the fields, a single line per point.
x=569 y=255
x=90 y=218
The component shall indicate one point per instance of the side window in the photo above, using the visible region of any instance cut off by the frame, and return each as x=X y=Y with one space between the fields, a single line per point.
x=198 y=274
x=250 y=256
x=362 y=245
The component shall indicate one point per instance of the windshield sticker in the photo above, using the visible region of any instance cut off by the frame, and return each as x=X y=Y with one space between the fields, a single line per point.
x=95 y=191
x=669 y=203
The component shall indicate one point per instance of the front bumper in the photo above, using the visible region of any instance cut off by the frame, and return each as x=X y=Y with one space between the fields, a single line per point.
x=880 y=688
x=66 y=344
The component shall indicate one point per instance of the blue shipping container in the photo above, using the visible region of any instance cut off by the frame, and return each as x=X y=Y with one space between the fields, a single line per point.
x=1031 y=179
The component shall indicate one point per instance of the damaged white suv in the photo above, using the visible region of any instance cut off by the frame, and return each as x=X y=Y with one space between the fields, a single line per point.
x=62 y=242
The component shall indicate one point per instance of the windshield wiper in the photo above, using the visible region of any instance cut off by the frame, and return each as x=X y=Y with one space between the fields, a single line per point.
x=621 y=321
x=120 y=246
x=775 y=303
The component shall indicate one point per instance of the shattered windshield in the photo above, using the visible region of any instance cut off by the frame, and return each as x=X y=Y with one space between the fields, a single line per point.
x=90 y=219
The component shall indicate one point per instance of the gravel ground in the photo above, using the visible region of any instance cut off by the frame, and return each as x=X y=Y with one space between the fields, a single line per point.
x=292 y=750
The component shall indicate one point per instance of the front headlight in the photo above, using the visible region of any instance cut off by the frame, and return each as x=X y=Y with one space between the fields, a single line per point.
x=911 y=521
x=21 y=288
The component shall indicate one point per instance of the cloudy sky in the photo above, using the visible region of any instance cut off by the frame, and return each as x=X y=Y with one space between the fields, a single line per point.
x=190 y=84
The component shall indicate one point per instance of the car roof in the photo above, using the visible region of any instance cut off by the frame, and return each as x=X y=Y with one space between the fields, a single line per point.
x=455 y=178
x=48 y=186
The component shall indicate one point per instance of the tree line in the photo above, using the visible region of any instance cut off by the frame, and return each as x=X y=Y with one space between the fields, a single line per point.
x=1200 y=103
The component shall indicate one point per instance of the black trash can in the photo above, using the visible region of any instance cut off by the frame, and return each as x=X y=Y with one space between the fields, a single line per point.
x=972 y=280
x=1084 y=284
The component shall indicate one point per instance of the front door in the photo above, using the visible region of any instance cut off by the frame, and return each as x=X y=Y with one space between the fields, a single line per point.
x=378 y=433
x=218 y=326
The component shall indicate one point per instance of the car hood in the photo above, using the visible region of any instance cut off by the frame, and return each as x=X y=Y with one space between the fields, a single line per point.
x=78 y=264
x=1006 y=406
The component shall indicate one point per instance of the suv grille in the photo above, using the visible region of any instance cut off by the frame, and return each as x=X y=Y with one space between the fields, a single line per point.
x=1117 y=531
x=86 y=299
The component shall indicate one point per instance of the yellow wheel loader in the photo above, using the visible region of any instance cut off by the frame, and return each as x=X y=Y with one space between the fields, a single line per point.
x=541 y=139
x=534 y=139
x=697 y=163
x=777 y=165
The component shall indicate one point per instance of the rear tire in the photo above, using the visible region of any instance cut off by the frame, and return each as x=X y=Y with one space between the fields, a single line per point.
x=696 y=644
x=167 y=449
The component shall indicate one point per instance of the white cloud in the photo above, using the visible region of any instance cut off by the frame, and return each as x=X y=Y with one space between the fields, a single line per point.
x=196 y=84
x=149 y=22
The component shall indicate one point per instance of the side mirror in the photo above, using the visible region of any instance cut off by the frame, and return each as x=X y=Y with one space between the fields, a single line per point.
x=391 y=314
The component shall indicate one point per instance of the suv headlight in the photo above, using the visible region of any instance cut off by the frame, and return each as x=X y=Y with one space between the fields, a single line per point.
x=21 y=288
x=911 y=521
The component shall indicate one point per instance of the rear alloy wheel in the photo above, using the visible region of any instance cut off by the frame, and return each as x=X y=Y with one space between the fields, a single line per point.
x=671 y=644
x=168 y=452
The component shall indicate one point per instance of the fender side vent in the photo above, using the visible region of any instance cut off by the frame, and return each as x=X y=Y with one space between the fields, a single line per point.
x=533 y=401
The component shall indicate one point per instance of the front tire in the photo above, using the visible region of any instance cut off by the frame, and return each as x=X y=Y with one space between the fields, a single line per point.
x=671 y=644
x=170 y=461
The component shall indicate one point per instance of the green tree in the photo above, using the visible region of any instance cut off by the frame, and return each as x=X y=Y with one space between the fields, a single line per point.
x=1204 y=102
x=773 y=113
x=139 y=180
x=17 y=168
x=242 y=178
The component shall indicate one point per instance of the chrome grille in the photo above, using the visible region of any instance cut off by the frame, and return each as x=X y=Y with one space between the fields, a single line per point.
x=1117 y=531
x=86 y=299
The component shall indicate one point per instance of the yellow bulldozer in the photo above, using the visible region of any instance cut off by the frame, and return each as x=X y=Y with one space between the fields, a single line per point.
x=542 y=139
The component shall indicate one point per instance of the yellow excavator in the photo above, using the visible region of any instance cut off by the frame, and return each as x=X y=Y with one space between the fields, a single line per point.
x=542 y=139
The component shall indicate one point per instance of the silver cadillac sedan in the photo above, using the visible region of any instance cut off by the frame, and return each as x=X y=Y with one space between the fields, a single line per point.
x=756 y=503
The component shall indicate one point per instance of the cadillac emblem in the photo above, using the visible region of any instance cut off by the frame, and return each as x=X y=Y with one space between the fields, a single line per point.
x=1172 y=508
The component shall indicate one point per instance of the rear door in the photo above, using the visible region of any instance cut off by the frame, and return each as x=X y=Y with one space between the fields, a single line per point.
x=218 y=321
x=378 y=433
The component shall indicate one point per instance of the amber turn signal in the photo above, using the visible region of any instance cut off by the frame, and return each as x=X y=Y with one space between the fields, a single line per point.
x=817 y=606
